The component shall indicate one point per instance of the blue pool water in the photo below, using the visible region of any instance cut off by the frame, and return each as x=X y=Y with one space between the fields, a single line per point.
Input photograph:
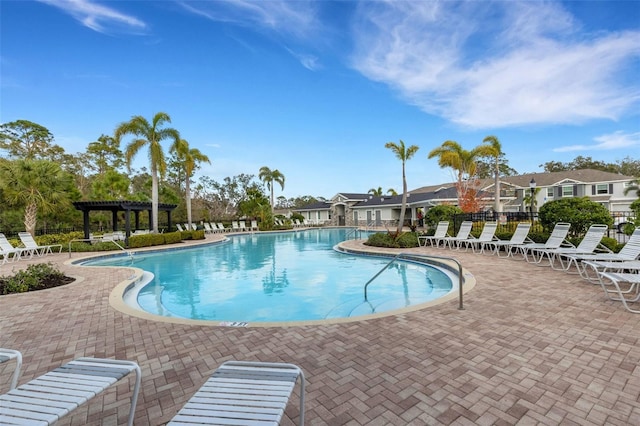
x=292 y=276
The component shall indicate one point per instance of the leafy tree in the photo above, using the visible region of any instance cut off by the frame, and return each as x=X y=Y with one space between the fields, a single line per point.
x=403 y=154
x=36 y=185
x=254 y=203
x=580 y=212
x=27 y=140
x=151 y=135
x=190 y=159
x=104 y=154
x=110 y=186
x=269 y=176
x=627 y=166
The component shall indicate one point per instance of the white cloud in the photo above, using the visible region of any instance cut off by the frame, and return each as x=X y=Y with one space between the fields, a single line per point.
x=616 y=140
x=502 y=64
x=296 y=18
x=99 y=18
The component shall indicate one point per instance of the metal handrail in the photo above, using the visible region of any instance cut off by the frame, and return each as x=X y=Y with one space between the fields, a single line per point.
x=129 y=252
x=414 y=255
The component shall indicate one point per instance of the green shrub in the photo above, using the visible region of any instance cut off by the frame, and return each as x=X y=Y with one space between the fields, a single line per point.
x=172 y=237
x=439 y=213
x=32 y=278
x=580 y=212
x=382 y=239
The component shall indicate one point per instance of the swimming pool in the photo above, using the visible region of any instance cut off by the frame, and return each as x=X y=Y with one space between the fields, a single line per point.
x=274 y=277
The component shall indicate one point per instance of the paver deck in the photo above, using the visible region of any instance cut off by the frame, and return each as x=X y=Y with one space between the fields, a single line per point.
x=533 y=346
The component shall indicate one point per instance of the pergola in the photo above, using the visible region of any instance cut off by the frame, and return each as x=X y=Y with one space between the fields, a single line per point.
x=121 y=206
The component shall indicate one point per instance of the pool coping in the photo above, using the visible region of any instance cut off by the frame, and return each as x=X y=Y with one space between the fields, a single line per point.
x=357 y=247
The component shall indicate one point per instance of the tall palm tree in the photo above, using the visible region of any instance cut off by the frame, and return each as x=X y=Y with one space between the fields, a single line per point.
x=151 y=134
x=190 y=159
x=269 y=176
x=376 y=192
x=403 y=154
x=392 y=192
x=494 y=150
x=463 y=162
x=37 y=185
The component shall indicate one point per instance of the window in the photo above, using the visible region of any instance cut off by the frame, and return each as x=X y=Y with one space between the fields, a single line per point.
x=567 y=191
x=549 y=192
x=602 y=188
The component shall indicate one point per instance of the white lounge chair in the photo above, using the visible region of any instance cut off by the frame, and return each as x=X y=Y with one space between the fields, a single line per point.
x=7 y=355
x=441 y=232
x=463 y=234
x=8 y=251
x=611 y=277
x=519 y=237
x=46 y=399
x=556 y=239
x=194 y=226
x=630 y=251
x=488 y=234
x=207 y=228
x=589 y=244
x=243 y=225
x=243 y=393
x=593 y=267
x=179 y=227
x=254 y=225
x=33 y=248
x=235 y=226
x=222 y=228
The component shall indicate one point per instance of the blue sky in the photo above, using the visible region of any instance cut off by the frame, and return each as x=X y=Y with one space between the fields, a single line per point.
x=316 y=89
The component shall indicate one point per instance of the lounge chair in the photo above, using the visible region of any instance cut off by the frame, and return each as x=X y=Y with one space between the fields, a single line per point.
x=589 y=244
x=243 y=225
x=222 y=228
x=463 y=234
x=243 y=393
x=235 y=226
x=207 y=228
x=7 y=355
x=519 y=237
x=488 y=234
x=441 y=232
x=630 y=251
x=46 y=399
x=611 y=276
x=556 y=239
x=8 y=251
x=254 y=225
x=33 y=248
x=593 y=267
x=194 y=226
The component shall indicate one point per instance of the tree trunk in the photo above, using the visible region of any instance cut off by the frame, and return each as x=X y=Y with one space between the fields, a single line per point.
x=404 y=201
x=188 y=199
x=154 y=197
x=30 y=217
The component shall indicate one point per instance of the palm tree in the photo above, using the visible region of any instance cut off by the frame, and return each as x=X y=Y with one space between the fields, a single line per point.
x=403 y=154
x=494 y=149
x=190 y=159
x=150 y=134
x=269 y=176
x=392 y=192
x=463 y=162
x=37 y=185
x=376 y=192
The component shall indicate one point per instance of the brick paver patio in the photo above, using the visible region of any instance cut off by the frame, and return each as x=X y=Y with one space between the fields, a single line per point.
x=533 y=346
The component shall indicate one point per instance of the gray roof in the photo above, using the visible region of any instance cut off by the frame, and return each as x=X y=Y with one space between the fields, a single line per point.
x=542 y=179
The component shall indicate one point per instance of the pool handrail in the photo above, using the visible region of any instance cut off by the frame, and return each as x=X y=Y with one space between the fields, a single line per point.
x=414 y=255
x=129 y=252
